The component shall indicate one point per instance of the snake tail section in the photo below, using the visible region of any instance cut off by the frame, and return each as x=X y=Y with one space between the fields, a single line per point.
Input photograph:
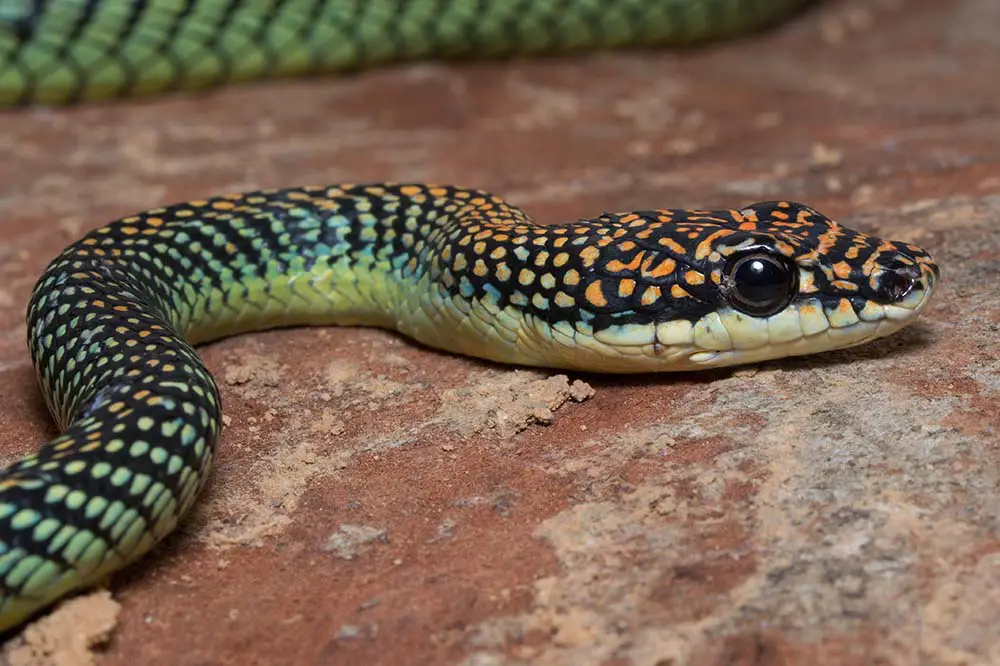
x=67 y=51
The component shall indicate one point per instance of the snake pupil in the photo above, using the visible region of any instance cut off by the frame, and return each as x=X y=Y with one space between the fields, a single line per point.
x=760 y=285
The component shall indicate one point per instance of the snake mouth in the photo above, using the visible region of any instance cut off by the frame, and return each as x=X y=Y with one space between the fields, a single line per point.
x=809 y=325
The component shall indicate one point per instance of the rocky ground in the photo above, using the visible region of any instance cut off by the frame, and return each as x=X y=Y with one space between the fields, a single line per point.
x=375 y=502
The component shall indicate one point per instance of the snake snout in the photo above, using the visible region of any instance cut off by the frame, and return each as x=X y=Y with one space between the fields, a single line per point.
x=905 y=281
x=894 y=284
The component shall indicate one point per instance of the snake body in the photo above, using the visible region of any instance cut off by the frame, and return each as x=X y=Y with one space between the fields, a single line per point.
x=60 y=51
x=113 y=319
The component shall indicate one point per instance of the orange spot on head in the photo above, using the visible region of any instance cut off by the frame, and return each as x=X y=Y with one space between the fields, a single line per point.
x=595 y=295
x=626 y=287
x=694 y=278
x=663 y=269
x=651 y=295
x=672 y=245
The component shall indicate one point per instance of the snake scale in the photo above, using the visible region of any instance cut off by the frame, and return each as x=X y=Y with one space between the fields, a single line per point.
x=113 y=320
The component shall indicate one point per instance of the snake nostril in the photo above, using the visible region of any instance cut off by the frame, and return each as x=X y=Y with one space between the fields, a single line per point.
x=893 y=286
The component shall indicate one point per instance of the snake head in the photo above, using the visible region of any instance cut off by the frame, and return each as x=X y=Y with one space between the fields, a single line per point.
x=790 y=281
x=687 y=289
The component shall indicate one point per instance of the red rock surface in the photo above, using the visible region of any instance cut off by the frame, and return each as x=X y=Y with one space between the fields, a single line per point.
x=379 y=503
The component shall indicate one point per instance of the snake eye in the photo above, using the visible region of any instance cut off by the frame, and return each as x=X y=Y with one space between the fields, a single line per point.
x=760 y=284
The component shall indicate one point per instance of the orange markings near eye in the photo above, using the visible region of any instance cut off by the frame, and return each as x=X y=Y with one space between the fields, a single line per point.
x=845 y=285
x=595 y=295
x=672 y=245
x=842 y=269
x=694 y=278
x=748 y=226
x=705 y=247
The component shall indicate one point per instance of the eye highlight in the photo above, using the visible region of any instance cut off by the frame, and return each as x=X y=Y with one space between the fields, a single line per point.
x=759 y=284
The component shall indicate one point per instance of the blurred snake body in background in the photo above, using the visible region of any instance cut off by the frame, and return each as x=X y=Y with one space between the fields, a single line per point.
x=113 y=319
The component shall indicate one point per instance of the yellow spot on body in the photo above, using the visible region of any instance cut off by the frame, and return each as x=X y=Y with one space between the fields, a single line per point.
x=572 y=277
x=560 y=259
x=626 y=287
x=564 y=300
x=678 y=291
x=526 y=277
x=589 y=255
x=503 y=272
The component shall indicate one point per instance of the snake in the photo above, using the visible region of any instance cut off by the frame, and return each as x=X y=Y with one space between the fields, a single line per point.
x=114 y=320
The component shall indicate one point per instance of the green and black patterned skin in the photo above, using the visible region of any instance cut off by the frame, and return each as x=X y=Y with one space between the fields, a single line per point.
x=60 y=51
x=112 y=321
